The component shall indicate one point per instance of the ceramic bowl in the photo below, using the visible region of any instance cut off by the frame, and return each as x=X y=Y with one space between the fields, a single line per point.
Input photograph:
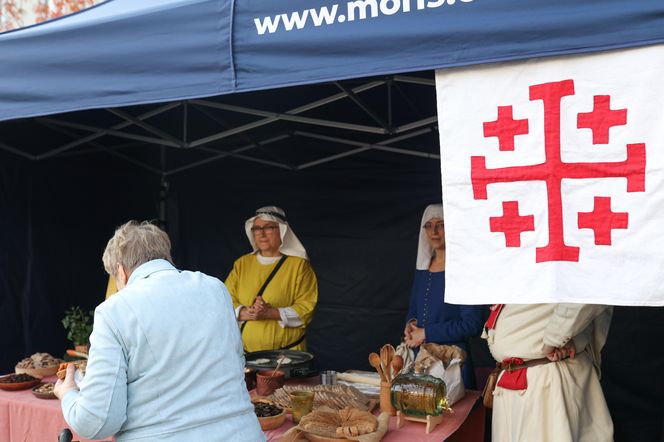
x=38 y=372
x=270 y=422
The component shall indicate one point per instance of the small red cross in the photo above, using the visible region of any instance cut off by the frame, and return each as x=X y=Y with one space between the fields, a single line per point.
x=512 y=224
x=602 y=220
x=601 y=119
x=505 y=128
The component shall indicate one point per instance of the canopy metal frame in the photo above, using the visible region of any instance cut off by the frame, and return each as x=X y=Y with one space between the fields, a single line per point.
x=154 y=135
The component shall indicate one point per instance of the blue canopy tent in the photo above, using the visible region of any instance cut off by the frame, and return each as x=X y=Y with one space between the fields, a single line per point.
x=173 y=86
x=124 y=52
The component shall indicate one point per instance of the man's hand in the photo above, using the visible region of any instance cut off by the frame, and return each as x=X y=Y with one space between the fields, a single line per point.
x=62 y=387
x=556 y=354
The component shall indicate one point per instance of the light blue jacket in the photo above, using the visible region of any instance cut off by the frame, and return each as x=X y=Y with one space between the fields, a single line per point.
x=166 y=363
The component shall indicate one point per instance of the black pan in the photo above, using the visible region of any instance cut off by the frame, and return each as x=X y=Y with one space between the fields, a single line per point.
x=300 y=364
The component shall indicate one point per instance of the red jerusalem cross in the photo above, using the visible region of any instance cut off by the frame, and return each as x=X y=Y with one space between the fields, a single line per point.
x=553 y=170
x=512 y=224
x=602 y=220
x=601 y=119
x=505 y=128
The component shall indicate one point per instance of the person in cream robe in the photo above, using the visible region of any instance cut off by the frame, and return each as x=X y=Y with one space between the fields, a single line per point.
x=562 y=400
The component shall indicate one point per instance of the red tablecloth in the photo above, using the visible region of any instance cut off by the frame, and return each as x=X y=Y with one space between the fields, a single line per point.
x=26 y=418
x=465 y=424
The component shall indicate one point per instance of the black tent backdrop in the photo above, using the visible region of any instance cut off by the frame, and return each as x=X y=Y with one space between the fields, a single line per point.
x=358 y=216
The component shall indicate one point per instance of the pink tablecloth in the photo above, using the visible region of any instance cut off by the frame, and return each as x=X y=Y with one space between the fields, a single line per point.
x=465 y=424
x=26 y=418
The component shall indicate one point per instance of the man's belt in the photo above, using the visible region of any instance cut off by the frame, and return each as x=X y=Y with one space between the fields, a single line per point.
x=514 y=371
x=510 y=365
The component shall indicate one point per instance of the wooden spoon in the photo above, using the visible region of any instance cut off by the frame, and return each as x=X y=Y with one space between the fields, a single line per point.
x=374 y=360
x=389 y=352
x=397 y=365
x=281 y=359
x=385 y=363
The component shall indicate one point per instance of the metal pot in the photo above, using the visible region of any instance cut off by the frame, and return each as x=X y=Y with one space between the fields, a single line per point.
x=300 y=365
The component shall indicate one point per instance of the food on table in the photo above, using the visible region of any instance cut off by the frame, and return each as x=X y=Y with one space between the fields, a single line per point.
x=335 y=397
x=347 y=422
x=62 y=370
x=265 y=409
x=355 y=422
x=270 y=416
x=46 y=388
x=430 y=353
x=17 y=378
x=80 y=365
x=284 y=360
x=38 y=360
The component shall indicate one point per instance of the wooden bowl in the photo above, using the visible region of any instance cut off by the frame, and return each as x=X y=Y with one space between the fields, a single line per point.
x=270 y=422
x=38 y=372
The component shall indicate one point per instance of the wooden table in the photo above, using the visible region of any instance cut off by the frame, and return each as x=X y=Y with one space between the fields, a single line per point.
x=465 y=424
x=26 y=418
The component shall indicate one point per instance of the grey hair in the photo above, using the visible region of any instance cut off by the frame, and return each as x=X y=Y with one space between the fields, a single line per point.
x=135 y=243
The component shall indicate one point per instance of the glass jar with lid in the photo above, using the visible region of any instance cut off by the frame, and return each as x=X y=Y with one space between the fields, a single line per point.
x=419 y=394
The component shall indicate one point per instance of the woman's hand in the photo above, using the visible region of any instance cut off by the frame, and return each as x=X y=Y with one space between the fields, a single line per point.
x=268 y=312
x=260 y=310
x=247 y=314
x=407 y=332
x=62 y=387
x=417 y=336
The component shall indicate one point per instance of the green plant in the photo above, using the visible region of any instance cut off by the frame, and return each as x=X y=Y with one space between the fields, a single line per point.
x=78 y=324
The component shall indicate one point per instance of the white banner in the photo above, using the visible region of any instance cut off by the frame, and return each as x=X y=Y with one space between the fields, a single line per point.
x=553 y=180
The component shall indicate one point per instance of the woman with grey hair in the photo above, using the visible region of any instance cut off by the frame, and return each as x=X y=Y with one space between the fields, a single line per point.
x=165 y=357
x=274 y=288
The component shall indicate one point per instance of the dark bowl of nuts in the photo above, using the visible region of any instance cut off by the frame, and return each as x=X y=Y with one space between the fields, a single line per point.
x=269 y=414
x=14 y=382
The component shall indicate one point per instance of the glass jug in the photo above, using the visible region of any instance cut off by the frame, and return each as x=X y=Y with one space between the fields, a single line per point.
x=419 y=394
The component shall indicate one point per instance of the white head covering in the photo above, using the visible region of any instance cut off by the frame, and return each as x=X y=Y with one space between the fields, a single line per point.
x=290 y=245
x=424 y=249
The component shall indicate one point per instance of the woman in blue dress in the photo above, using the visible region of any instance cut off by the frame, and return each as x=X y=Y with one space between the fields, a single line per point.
x=429 y=318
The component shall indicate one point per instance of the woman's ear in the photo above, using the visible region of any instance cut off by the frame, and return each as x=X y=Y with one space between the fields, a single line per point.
x=121 y=277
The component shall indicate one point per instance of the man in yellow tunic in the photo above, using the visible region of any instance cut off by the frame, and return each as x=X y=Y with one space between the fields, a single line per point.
x=558 y=398
x=278 y=318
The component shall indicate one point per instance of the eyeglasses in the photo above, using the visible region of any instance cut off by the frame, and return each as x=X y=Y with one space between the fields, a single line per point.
x=432 y=227
x=267 y=229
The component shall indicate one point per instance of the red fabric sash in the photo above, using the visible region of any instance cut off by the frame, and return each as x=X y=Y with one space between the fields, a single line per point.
x=516 y=379
x=493 y=316
x=511 y=380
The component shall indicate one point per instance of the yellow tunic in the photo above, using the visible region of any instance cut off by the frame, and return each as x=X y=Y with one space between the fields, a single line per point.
x=293 y=286
x=111 y=288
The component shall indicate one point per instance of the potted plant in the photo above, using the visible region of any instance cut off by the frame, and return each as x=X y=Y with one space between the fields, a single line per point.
x=78 y=324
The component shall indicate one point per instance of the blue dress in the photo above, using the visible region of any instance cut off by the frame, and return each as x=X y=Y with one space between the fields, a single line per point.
x=443 y=323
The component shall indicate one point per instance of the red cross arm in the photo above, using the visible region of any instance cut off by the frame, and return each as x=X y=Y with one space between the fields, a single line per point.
x=601 y=119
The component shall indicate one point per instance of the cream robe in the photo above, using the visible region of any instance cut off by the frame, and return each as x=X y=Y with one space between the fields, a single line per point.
x=564 y=400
